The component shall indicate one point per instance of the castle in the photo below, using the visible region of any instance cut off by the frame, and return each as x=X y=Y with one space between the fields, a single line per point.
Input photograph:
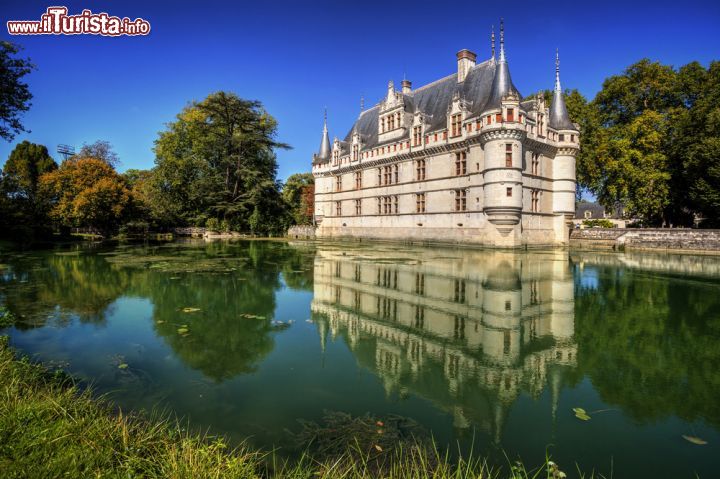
x=463 y=159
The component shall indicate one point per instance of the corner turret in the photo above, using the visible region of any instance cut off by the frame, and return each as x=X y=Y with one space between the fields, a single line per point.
x=559 y=118
x=323 y=155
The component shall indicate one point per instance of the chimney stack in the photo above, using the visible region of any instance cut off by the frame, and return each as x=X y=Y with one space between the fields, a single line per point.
x=466 y=60
x=406 y=87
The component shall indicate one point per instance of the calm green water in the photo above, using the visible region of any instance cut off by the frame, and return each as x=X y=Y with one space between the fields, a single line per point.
x=488 y=348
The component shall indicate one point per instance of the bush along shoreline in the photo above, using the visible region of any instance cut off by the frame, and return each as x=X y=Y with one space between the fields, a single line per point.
x=51 y=426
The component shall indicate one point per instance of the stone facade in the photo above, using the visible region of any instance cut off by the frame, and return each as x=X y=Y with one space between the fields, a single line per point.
x=462 y=159
x=671 y=240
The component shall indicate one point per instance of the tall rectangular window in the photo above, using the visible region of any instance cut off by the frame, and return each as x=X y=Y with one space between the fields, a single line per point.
x=460 y=200
x=535 y=163
x=356 y=150
x=395 y=204
x=379 y=205
x=420 y=170
x=535 y=201
x=510 y=114
x=338 y=208
x=379 y=176
x=417 y=136
x=460 y=163
x=420 y=202
x=396 y=173
x=358 y=180
x=456 y=124
x=508 y=192
x=358 y=207
x=338 y=183
x=498 y=118
x=508 y=155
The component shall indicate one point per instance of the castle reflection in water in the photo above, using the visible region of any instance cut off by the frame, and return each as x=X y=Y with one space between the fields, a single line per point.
x=469 y=332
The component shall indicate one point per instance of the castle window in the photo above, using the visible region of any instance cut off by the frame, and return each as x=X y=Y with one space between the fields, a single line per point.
x=417 y=135
x=508 y=192
x=355 y=152
x=396 y=170
x=535 y=201
x=459 y=291
x=338 y=183
x=510 y=114
x=460 y=200
x=456 y=124
x=338 y=208
x=420 y=283
x=489 y=119
x=395 y=204
x=562 y=137
x=572 y=138
x=435 y=137
x=468 y=127
x=358 y=180
x=588 y=214
x=535 y=164
x=498 y=117
x=382 y=125
x=460 y=163
x=420 y=203
x=444 y=135
x=379 y=205
x=420 y=170
x=508 y=155
x=358 y=207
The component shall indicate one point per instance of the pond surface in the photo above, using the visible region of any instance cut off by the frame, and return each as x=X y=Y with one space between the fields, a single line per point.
x=488 y=349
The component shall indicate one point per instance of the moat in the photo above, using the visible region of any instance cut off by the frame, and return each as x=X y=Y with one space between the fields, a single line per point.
x=491 y=350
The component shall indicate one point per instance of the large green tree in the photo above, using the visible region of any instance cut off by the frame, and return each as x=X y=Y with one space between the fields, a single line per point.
x=217 y=160
x=15 y=95
x=23 y=214
x=298 y=195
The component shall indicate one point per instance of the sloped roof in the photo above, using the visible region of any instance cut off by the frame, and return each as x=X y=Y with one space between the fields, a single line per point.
x=433 y=100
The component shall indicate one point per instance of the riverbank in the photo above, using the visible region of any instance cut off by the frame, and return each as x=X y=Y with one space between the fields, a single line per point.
x=646 y=239
x=50 y=427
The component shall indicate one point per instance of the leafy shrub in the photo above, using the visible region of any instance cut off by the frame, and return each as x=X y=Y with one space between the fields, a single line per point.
x=599 y=223
x=212 y=224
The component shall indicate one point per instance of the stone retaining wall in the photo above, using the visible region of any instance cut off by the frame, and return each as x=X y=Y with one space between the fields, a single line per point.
x=676 y=240
x=301 y=232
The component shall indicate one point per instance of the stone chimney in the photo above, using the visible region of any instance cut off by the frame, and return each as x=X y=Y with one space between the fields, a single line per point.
x=406 y=87
x=466 y=60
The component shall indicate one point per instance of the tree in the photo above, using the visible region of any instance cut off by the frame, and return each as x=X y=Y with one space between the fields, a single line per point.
x=24 y=214
x=102 y=150
x=23 y=168
x=298 y=194
x=218 y=160
x=86 y=192
x=15 y=95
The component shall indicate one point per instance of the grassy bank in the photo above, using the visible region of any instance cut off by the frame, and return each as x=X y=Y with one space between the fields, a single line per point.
x=50 y=427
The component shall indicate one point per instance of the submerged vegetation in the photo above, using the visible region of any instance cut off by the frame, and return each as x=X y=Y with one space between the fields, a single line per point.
x=50 y=427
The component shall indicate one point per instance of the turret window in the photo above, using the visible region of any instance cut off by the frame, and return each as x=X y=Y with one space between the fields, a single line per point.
x=508 y=155
x=508 y=192
x=498 y=118
x=562 y=137
x=510 y=114
x=460 y=200
x=460 y=163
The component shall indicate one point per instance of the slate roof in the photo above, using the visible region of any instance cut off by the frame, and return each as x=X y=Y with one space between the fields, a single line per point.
x=434 y=99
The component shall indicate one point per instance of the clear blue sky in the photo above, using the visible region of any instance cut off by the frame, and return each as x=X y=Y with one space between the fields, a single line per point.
x=297 y=57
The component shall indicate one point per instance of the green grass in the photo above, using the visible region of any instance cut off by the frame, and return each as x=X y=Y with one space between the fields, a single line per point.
x=51 y=427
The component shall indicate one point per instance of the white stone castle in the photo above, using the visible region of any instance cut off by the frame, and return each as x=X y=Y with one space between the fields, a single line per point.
x=462 y=159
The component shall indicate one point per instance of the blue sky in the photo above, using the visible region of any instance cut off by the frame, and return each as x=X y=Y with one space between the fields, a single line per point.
x=298 y=57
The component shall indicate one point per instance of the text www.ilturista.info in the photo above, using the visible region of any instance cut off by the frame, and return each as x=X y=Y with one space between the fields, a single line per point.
x=56 y=21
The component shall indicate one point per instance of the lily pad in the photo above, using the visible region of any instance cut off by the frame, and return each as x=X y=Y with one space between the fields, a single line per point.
x=580 y=413
x=695 y=440
x=183 y=330
x=190 y=310
x=123 y=366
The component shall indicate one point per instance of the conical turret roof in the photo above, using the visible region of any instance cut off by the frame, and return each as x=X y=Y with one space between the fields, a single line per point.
x=559 y=118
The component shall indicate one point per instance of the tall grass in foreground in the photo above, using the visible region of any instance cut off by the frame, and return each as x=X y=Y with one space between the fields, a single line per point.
x=51 y=428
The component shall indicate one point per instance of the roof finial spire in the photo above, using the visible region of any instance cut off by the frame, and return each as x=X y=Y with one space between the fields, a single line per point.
x=502 y=40
x=362 y=103
x=325 y=118
x=492 y=42
x=557 y=70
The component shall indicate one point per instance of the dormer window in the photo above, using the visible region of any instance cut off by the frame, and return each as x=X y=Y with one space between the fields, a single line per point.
x=417 y=136
x=456 y=124
x=510 y=114
x=355 y=152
